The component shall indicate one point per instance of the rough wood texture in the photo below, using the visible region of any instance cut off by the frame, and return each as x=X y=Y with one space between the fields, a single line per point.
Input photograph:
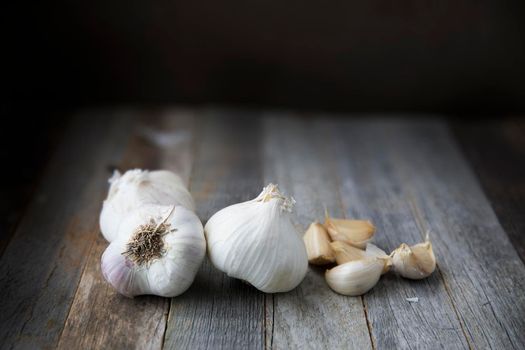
x=405 y=175
x=394 y=165
x=218 y=312
x=496 y=151
x=372 y=189
x=310 y=316
x=41 y=266
x=99 y=316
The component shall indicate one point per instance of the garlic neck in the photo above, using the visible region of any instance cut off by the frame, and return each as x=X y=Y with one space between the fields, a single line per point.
x=272 y=192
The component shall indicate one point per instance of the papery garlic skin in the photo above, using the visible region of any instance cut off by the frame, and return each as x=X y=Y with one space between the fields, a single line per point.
x=374 y=251
x=317 y=243
x=256 y=241
x=169 y=275
x=415 y=262
x=344 y=253
x=354 y=232
x=137 y=187
x=356 y=277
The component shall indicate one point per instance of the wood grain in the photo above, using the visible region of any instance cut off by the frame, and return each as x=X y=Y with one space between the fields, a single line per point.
x=396 y=167
x=496 y=151
x=99 y=316
x=310 y=316
x=218 y=312
x=41 y=266
x=371 y=190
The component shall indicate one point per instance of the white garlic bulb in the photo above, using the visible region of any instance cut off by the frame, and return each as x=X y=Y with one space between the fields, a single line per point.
x=414 y=262
x=256 y=241
x=137 y=187
x=355 y=277
x=158 y=251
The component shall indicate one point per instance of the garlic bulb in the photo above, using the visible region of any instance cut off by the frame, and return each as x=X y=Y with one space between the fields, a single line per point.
x=317 y=244
x=158 y=250
x=345 y=252
x=415 y=262
x=256 y=241
x=354 y=232
x=355 y=277
x=137 y=187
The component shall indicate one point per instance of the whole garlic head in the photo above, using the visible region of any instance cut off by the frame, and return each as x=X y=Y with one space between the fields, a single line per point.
x=255 y=241
x=414 y=262
x=158 y=251
x=137 y=187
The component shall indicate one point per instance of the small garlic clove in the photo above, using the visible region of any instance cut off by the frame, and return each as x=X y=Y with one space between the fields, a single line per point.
x=414 y=262
x=345 y=252
x=376 y=252
x=356 y=277
x=317 y=244
x=354 y=232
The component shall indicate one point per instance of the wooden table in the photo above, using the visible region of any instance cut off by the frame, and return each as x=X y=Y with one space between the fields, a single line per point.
x=407 y=175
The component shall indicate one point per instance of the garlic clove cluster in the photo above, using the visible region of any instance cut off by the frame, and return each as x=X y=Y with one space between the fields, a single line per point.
x=355 y=277
x=317 y=244
x=158 y=250
x=354 y=232
x=360 y=263
x=414 y=262
x=255 y=241
x=137 y=187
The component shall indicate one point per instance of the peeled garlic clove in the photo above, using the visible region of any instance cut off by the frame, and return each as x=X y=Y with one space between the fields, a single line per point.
x=415 y=262
x=354 y=232
x=137 y=187
x=355 y=277
x=256 y=241
x=317 y=244
x=345 y=252
x=374 y=251
x=158 y=251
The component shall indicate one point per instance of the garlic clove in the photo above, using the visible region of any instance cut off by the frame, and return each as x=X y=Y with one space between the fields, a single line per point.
x=354 y=232
x=376 y=252
x=255 y=241
x=344 y=252
x=159 y=252
x=414 y=262
x=136 y=187
x=317 y=244
x=355 y=277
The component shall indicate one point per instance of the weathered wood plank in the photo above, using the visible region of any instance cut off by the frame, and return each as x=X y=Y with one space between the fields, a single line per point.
x=25 y=166
x=496 y=151
x=311 y=316
x=410 y=177
x=41 y=266
x=218 y=312
x=99 y=316
x=370 y=189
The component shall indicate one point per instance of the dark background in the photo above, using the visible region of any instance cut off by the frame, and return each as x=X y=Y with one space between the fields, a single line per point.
x=461 y=56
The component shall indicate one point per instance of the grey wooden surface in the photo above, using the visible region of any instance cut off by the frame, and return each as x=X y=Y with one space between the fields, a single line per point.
x=406 y=175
